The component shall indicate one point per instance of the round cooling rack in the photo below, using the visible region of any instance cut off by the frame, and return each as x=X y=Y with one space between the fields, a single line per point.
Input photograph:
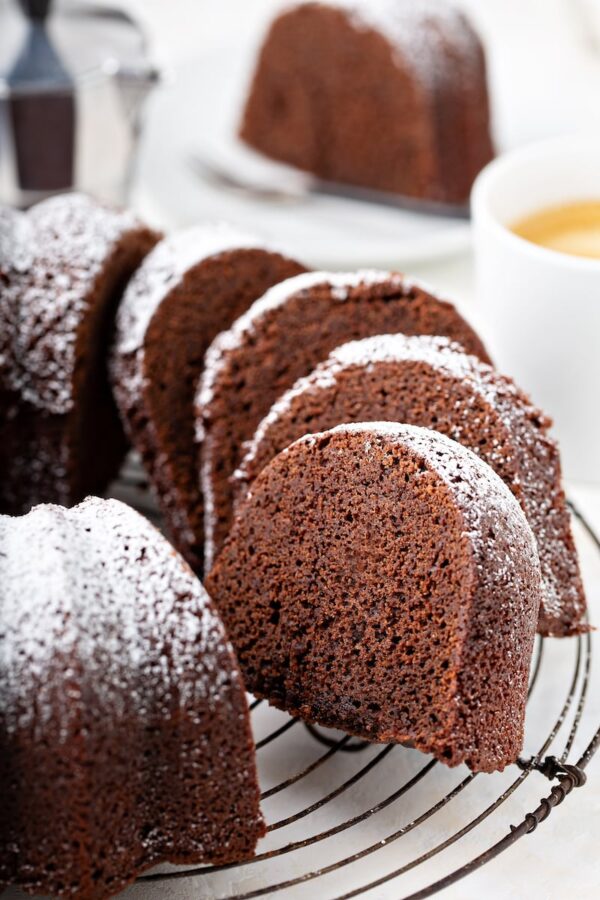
x=350 y=819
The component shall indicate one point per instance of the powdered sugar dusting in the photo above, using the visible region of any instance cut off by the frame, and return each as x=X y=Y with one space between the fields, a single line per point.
x=210 y=512
x=15 y=241
x=161 y=273
x=339 y=283
x=163 y=269
x=418 y=31
x=512 y=437
x=439 y=352
x=15 y=258
x=339 y=286
x=475 y=486
x=48 y=291
x=398 y=347
x=96 y=606
x=364 y=353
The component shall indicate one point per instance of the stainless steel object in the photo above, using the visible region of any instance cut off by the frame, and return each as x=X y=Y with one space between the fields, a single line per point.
x=298 y=187
x=74 y=79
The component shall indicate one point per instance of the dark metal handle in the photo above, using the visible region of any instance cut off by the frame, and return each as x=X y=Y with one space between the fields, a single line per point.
x=36 y=10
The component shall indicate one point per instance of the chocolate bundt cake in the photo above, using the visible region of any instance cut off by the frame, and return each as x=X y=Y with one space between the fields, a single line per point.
x=385 y=94
x=429 y=381
x=282 y=337
x=382 y=579
x=62 y=272
x=192 y=286
x=124 y=729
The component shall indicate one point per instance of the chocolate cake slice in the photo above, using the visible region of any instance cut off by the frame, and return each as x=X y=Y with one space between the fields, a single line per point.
x=384 y=94
x=125 y=738
x=382 y=579
x=282 y=337
x=429 y=381
x=192 y=286
x=63 y=269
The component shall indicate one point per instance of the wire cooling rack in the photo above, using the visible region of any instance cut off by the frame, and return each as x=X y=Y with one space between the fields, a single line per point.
x=347 y=818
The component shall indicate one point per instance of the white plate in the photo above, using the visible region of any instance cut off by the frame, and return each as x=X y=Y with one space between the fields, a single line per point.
x=198 y=115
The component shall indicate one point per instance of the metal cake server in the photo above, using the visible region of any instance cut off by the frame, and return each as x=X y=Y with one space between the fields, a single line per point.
x=298 y=187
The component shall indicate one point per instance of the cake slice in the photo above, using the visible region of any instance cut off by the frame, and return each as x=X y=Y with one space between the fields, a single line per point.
x=384 y=94
x=282 y=337
x=383 y=580
x=192 y=286
x=125 y=737
x=429 y=381
x=63 y=268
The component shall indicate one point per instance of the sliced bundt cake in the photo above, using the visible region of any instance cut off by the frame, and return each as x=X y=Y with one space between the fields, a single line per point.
x=382 y=579
x=387 y=94
x=192 y=286
x=124 y=729
x=63 y=270
x=429 y=381
x=282 y=337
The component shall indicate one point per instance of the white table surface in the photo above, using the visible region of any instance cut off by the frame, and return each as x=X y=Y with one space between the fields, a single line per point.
x=545 y=864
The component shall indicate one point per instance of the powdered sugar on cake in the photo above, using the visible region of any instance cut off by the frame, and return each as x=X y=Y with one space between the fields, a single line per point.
x=418 y=31
x=97 y=593
x=513 y=434
x=159 y=274
x=476 y=487
x=441 y=353
x=15 y=241
x=163 y=269
x=46 y=299
x=339 y=284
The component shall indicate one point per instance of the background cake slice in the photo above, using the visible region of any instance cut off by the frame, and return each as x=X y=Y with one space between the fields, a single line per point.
x=429 y=381
x=63 y=272
x=385 y=94
x=192 y=286
x=382 y=579
x=282 y=337
x=125 y=738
